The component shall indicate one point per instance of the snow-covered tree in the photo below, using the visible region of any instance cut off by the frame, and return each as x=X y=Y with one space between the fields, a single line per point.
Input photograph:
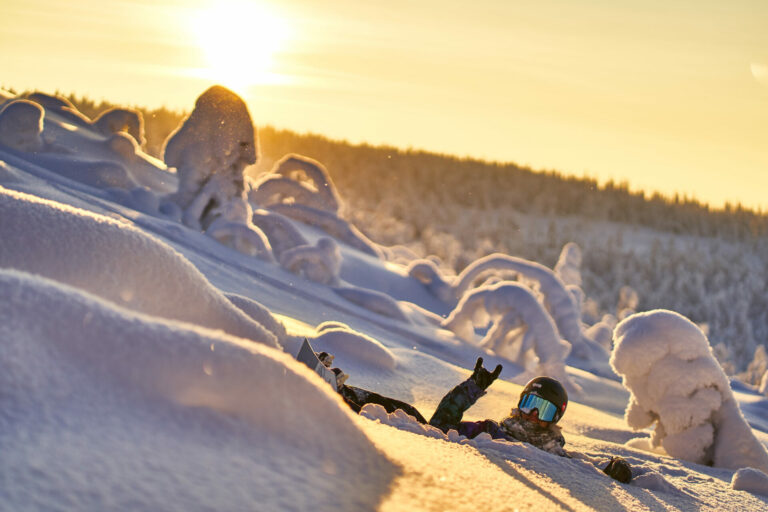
x=676 y=384
x=126 y=120
x=297 y=178
x=628 y=302
x=210 y=152
x=556 y=297
x=280 y=232
x=337 y=227
x=320 y=263
x=61 y=107
x=568 y=266
x=21 y=125
x=428 y=273
x=519 y=327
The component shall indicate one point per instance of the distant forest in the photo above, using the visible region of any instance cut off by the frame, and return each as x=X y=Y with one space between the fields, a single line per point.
x=675 y=253
x=471 y=183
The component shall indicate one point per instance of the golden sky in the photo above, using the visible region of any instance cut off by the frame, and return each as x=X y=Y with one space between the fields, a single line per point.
x=668 y=95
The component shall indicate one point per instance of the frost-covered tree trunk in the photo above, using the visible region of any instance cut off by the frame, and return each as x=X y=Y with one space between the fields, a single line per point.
x=676 y=384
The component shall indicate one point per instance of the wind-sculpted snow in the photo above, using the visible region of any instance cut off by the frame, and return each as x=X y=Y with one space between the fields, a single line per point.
x=210 y=152
x=280 y=232
x=427 y=273
x=320 y=263
x=126 y=120
x=107 y=409
x=676 y=385
x=750 y=480
x=520 y=329
x=115 y=261
x=21 y=125
x=372 y=300
x=281 y=184
x=338 y=228
x=62 y=107
x=340 y=340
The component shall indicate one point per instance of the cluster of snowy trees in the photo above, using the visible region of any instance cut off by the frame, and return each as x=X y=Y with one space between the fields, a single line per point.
x=674 y=253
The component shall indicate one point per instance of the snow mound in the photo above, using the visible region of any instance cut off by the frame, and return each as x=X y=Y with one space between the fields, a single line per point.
x=320 y=263
x=750 y=480
x=375 y=301
x=115 y=261
x=21 y=125
x=338 y=339
x=676 y=384
x=104 y=408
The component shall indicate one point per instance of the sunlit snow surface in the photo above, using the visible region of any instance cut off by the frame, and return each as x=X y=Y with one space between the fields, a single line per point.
x=138 y=371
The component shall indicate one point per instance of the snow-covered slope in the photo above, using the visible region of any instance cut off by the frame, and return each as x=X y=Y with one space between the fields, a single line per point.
x=148 y=366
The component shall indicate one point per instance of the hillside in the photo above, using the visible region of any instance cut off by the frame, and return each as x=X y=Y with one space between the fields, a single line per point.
x=675 y=253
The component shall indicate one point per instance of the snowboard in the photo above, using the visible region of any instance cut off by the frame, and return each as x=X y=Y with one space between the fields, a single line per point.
x=307 y=356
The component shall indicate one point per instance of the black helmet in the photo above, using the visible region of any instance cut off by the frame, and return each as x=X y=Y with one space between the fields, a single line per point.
x=548 y=389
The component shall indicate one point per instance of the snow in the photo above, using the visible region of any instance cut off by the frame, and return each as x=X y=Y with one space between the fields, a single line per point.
x=147 y=365
x=677 y=385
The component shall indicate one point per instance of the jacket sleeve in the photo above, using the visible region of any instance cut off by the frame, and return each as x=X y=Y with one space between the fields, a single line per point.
x=451 y=408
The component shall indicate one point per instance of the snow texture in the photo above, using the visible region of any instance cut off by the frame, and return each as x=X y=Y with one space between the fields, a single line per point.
x=320 y=263
x=374 y=301
x=750 y=480
x=286 y=182
x=107 y=409
x=338 y=338
x=427 y=273
x=114 y=261
x=280 y=232
x=125 y=120
x=568 y=266
x=555 y=296
x=21 y=125
x=677 y=385
x=519 y=328
x=338 y=228
x=61 y=106
x=130 y=380
x=210 y=152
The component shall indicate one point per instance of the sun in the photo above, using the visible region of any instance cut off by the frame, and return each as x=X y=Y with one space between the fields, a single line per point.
x=239 y=40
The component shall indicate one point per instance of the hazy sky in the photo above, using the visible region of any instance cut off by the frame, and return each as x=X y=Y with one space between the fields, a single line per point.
x=668 y=95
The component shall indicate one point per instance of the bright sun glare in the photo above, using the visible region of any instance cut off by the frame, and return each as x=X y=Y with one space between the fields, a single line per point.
x=239 y=39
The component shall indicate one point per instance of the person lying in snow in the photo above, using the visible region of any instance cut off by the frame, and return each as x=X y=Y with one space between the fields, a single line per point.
x=541 y=405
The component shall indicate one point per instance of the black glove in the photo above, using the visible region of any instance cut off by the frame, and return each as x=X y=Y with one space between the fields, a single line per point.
x=619 y=469
x=482 y=377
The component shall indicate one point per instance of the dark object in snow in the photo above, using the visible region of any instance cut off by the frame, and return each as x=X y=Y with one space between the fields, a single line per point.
x=619 y=469
x=319 y=363
x=482 y=377
x=356 y=398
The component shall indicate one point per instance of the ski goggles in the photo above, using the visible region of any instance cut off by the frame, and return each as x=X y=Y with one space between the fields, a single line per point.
x=547 y=410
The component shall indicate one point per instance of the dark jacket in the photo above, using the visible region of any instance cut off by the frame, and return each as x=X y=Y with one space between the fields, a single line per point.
x=512 y=428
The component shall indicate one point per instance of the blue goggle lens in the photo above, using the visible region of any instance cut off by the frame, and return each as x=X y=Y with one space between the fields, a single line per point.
x=547 y=409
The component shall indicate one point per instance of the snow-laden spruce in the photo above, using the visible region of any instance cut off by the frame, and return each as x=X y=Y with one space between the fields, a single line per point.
x=568 y=266
x=21 y=125
x=210 y=152
x=561 y=301
x=297 y=178
x=520 y=328
x=677 y=386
